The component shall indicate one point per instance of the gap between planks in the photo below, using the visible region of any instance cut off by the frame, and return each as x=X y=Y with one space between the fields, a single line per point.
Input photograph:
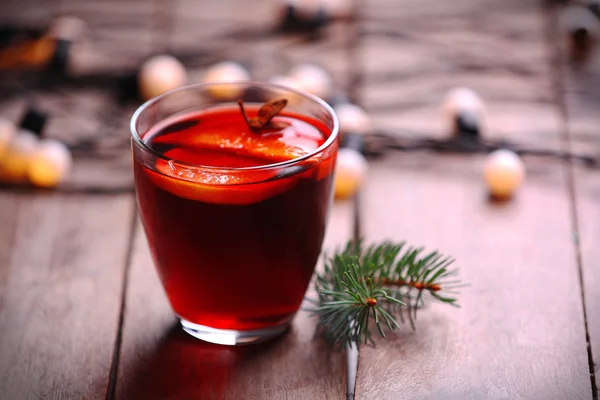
x=114 y=365
x=557 y=68
x=353 y=90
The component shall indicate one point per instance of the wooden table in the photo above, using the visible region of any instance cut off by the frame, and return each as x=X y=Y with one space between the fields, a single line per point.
x=82 y=313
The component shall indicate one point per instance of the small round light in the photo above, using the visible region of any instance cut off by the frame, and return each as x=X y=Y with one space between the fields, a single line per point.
x=7 y=132
x=575 y=17
x=353 y=118
x=67 y=28
x=285 y=80
x=464 y=111
x=313 y=79
x=69 y=35
x=160 y=74
x=582 y=29
x=503 y=172
x=49 y=164
x=226 y=71
x=14 y=163
x=338 y=8
x=351 y=171
x=302 y=15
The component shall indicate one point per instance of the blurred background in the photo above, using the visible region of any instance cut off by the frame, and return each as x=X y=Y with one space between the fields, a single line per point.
x=78 y=64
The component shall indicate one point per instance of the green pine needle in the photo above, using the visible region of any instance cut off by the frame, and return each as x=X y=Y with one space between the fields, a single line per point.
x=372 y=284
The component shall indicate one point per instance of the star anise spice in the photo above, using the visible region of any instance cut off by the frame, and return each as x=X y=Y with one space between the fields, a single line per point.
x=264 y=118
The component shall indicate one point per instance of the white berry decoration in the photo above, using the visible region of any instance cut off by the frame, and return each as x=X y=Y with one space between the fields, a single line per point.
x=504 y=172
x=67 y=28
x=160 y=74
x=49 y=164
x=313 y=79
x=226 y=71
x=464 y=111
x=351 y=171
x=353 y=118
x=582 y=29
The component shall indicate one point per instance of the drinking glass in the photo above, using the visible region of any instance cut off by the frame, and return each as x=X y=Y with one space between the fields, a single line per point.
x=234 y=247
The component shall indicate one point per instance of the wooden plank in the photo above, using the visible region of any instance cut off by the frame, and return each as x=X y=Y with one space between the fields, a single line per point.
x=9 y=211
x=583 y=132
x=582 y=102
x=61 y=278
x=159 y=360
x=580 y=96
x=520 y=331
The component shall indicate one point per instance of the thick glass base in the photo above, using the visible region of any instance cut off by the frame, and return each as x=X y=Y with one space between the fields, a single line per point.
x=232 y=337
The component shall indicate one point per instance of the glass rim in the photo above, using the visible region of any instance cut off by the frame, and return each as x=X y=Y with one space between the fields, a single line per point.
x=143 y=146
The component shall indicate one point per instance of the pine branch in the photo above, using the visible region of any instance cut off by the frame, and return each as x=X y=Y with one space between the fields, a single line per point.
x=373 y=284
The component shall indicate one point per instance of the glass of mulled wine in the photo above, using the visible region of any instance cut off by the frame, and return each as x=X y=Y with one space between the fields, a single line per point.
x=234 y=212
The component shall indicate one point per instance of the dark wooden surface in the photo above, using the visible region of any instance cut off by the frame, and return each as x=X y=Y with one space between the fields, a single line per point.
x=83 y=315
x=62 y=276
x=504 y=343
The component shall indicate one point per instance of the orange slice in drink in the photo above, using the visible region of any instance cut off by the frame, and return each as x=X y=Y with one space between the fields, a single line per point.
x=220 y=187
x=210 y=142
x=295 y=140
